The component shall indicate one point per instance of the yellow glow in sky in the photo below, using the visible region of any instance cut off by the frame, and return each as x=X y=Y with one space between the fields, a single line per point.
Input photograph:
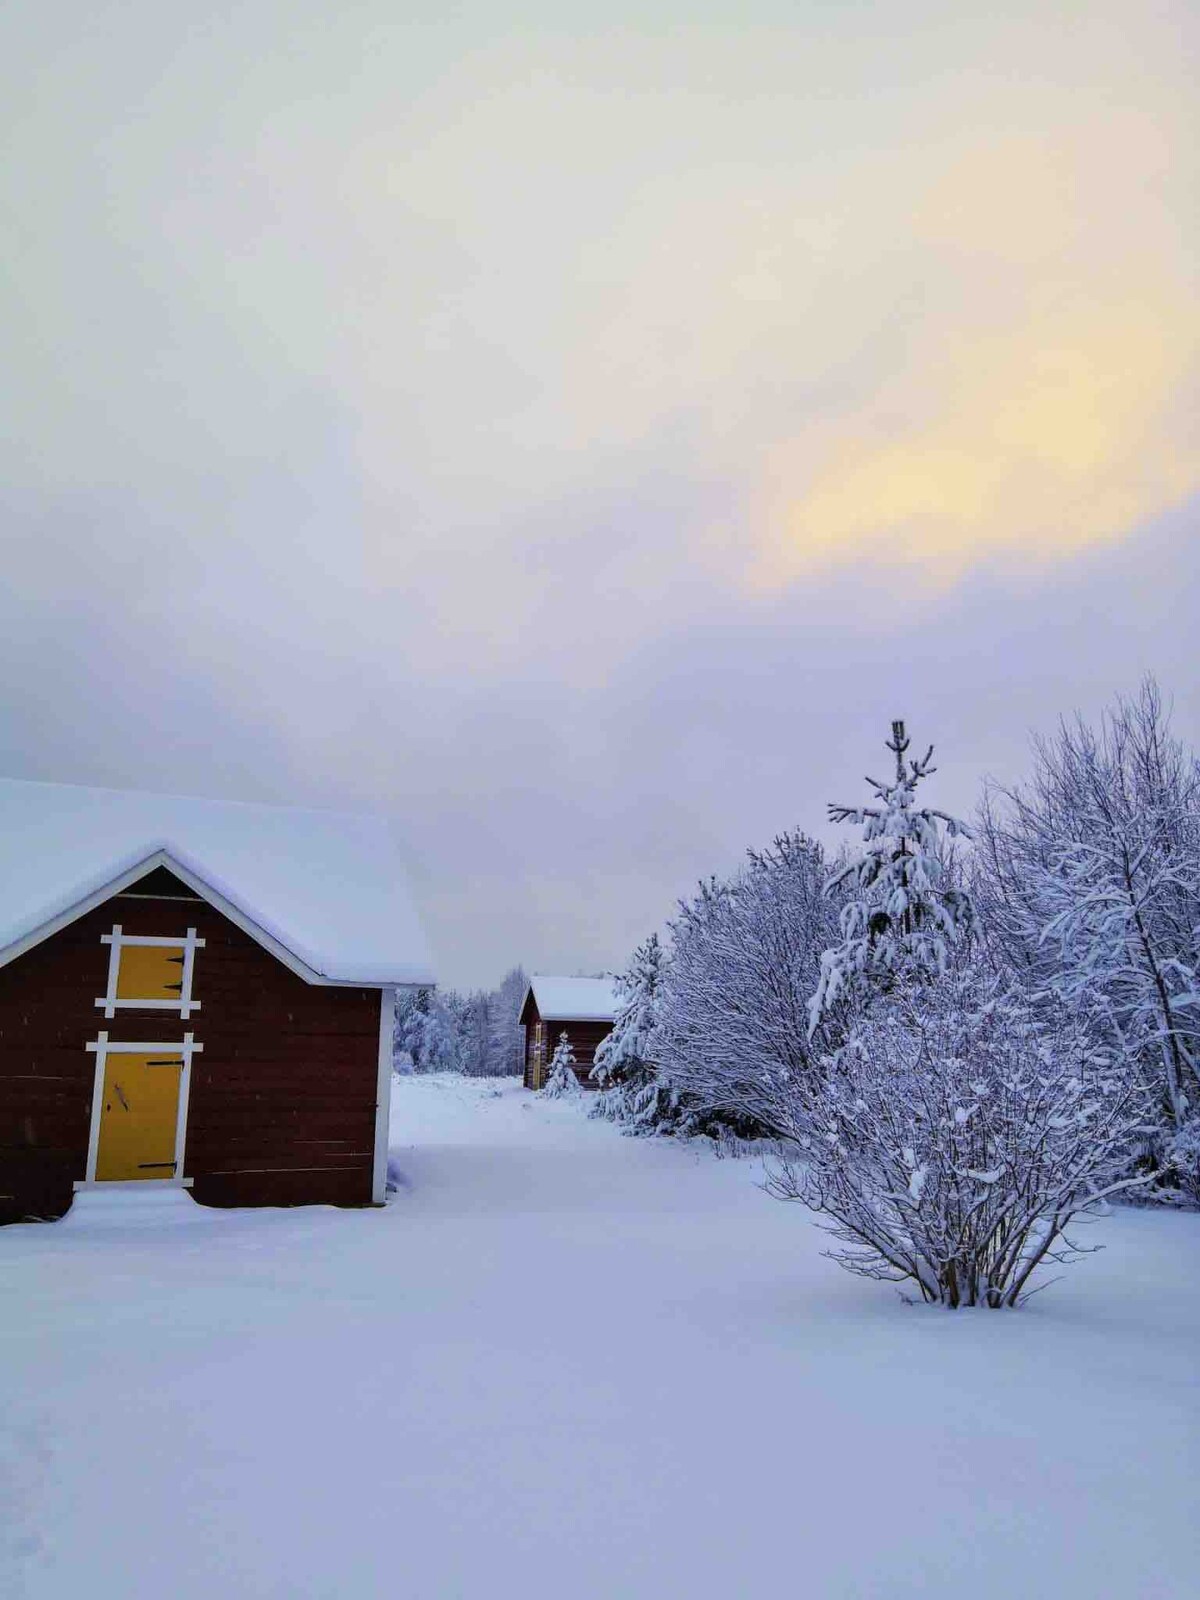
x=908 y=283
x=1045 y=440
x=1045 y=408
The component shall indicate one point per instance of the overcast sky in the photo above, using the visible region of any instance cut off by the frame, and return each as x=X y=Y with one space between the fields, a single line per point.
x=577 y=437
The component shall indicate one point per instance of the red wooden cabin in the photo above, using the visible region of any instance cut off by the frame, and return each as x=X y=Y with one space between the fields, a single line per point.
x=582 y=1008
x=198 y=994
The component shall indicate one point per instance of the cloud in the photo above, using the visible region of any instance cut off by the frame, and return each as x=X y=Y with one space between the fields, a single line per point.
x=520 y=429
x=1045 y=406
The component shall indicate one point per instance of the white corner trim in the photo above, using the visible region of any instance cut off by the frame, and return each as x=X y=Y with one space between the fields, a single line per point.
x=383 y=1094
x=103 y=1047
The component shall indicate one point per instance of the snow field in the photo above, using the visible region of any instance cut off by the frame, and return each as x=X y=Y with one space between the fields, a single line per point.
x=562 y=1363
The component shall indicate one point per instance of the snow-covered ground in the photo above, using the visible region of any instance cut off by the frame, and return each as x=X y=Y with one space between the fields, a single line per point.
x=566 y=1364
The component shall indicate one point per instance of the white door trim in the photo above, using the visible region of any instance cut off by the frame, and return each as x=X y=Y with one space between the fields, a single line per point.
x=103 y=1047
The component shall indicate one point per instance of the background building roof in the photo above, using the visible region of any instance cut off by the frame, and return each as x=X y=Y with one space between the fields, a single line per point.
x=573 y=999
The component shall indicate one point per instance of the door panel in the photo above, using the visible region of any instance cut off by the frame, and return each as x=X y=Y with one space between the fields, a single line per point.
x=138 y=1116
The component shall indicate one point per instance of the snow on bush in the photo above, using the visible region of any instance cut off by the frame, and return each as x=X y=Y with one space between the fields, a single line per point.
x=562 y=1080
x=958 y=1131
x=954 y=1138
x=631 y=1089
x=1183 y=1158
x=733 y=1013
x=1089 y=878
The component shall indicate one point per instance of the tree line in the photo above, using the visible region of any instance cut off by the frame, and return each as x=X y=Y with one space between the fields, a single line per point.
x=476 y=1032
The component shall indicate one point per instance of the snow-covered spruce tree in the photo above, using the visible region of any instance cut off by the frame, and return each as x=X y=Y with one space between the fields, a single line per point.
x=471 y=1017
x=424 y=1039
x=733 y=1013
x=563 y=1080
x=903 y=913
x=956 y=1137
x=402 y=1059
x=631 y=1089
x=1089 y=878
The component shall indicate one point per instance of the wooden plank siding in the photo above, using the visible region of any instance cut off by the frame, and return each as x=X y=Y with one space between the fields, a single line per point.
x=585 y=1036
x=282 y=1102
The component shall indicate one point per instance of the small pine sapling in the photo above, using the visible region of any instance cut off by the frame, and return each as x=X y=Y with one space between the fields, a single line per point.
x=563 y=1081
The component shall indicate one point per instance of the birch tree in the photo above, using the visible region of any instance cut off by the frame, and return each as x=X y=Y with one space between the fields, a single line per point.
x=1089 y=874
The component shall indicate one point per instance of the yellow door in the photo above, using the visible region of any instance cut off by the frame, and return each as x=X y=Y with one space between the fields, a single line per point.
x=150 y=972
x=138 y=1116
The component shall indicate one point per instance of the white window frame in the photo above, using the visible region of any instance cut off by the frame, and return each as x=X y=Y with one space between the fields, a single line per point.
x=103 y=1047
x=117 y=940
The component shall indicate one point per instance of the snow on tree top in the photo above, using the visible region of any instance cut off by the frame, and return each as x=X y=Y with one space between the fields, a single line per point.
x=328 y=886
x=573 y=999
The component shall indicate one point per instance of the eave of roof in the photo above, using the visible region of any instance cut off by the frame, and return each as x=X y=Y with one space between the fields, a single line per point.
x=121 y=876
x=326 y=892
x=571 y=999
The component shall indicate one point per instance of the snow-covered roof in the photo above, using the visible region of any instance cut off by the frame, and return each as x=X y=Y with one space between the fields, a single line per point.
x=327 y=887
x=573 y=999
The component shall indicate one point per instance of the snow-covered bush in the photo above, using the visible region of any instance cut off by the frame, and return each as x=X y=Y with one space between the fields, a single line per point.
x=1183 y=1158
x=956 y=1135
x=733 y=1014
x=903 y=913
x=562 y=1080
x=1089 y=879
x=631 y=1090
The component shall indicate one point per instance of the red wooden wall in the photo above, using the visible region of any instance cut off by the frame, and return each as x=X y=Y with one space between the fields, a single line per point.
x=282 y=1104
x=584 y=1037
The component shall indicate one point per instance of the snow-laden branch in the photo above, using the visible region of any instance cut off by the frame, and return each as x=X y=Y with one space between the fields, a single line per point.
x=903 y=916
x=1089 y=880
x=954 y=1138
